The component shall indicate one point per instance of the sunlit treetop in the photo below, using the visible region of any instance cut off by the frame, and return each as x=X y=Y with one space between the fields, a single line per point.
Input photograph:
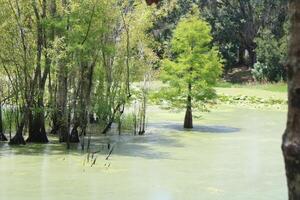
x=193 y=66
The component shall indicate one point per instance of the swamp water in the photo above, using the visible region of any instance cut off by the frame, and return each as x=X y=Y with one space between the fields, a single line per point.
x=232 y=154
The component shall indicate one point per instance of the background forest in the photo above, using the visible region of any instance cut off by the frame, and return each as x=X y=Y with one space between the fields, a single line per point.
x=67 y=63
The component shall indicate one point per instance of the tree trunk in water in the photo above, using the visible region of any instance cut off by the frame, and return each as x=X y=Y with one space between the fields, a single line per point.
x=53 y=89
x=143 y=116
x=55 y=124
x=74 y=137
x=2 y=136
x=18 y=138
x=37 y=132
x=188 y=120
x=83 y=97
x=291 y=137
x=111 y=119
x=87 y=86
x=62 y=104
x=62 y=90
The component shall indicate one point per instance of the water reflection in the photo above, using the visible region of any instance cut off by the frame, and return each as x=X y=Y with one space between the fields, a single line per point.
x=197 y=128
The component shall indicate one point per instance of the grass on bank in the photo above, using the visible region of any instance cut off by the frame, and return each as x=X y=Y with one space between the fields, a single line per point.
x=254 y=94
x=272 y=87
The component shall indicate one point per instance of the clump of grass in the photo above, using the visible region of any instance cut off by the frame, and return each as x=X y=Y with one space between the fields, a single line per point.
x=128 y=121
x=224 y=84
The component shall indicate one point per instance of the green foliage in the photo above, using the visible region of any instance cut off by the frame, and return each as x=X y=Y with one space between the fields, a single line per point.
x=194 y=61
x=137 y=24
x=271 y=53
x=125 y=42
x=260 y=72
x=237 y=23
x=128 y=121
x=168 y=15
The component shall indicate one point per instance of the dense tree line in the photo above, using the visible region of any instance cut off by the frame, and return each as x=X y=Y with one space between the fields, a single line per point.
x=239 y=28
x=64 y=61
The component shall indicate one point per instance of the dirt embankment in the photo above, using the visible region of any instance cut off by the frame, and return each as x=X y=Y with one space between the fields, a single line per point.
x=241 y=74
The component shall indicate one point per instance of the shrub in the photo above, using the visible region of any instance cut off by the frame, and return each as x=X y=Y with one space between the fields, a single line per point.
x=270 y=55
x=259 y=72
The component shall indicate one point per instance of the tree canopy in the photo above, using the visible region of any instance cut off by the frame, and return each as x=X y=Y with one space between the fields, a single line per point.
x=193 y=68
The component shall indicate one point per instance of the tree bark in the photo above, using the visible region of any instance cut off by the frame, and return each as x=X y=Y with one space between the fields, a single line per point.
x=188 y=120
x=37 y=132
x=53 y=88
x=2 y=136
x=252 y=56
x=62 y=104
x=74 y=135
x=62 y=92
x=291 y=137
x=241 y=56
x=18 y=138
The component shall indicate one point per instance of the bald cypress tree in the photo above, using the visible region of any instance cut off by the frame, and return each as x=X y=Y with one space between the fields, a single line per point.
x=193 y=67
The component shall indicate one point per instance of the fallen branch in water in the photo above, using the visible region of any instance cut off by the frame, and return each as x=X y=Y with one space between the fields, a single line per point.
x=94 y=162
x=109 y=153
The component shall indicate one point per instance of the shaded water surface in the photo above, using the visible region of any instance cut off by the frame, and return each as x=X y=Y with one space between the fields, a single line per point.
x=231 y=154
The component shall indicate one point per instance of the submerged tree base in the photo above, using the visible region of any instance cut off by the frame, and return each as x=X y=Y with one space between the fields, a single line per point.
x=74 y=137
x=54 y=131
x=142 y=132
x=37 y=138
x=18 y=139
x=2 y=137
x=188 y=120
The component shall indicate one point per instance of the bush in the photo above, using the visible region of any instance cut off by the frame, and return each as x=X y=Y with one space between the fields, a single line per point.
x=270 y=55
x=263 y=73
x=259 y=72
x=128 y=122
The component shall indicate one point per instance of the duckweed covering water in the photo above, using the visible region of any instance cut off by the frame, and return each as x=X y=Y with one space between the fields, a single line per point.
x=232 y=154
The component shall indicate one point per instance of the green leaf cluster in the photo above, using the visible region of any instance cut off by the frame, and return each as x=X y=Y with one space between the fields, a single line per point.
x=193 y=61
